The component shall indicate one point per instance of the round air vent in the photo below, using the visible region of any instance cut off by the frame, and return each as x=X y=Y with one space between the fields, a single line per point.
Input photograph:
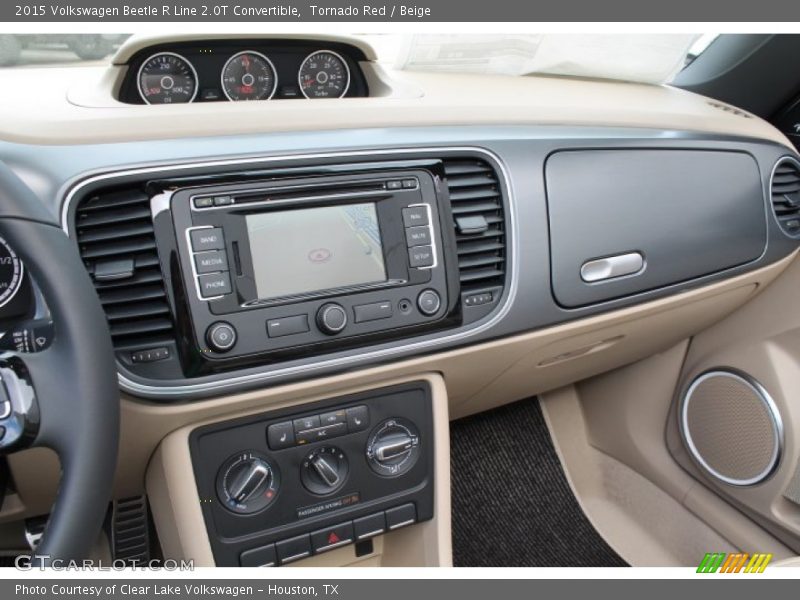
x=732 y=427
x=785 y=190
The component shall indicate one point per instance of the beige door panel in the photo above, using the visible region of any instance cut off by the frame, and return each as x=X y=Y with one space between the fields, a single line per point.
x=762 y=339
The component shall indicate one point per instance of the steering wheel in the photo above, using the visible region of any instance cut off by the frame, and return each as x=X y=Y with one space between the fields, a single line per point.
x=64 y=397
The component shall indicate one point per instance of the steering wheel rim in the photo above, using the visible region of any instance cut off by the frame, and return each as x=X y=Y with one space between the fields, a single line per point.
x=74 y=380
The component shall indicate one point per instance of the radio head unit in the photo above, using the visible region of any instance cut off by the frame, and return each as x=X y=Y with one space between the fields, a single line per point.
x=276 y=266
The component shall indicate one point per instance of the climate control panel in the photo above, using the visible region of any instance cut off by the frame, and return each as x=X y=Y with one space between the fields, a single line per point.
x=281 y=486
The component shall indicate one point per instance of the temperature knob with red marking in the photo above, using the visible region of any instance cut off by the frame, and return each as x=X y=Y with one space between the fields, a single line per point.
x=247 y=483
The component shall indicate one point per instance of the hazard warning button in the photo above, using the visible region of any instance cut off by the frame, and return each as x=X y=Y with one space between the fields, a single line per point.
x=332 y=537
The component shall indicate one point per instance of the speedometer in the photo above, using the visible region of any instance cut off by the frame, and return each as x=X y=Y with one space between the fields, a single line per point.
x=167 y=78
x=10 y=273
x=249 y=75
x=324 y=74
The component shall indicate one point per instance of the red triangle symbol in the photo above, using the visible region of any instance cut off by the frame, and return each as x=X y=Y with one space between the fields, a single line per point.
x=333 y=538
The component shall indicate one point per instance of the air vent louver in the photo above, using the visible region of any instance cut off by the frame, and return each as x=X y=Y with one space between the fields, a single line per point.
x=477 y=207
x=114 y=231
x=786 y=196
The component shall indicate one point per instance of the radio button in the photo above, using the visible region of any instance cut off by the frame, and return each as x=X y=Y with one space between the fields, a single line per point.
x=373 y=312
x=420 y=256
x=211 y=261
x=216 y=284
x=418 y=236
x=210 y=238
x=221 y=336
x=415 y=215
x=287 y=326
x=429 y=302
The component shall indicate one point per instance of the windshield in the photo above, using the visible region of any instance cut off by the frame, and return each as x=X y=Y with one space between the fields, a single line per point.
x=647 y=58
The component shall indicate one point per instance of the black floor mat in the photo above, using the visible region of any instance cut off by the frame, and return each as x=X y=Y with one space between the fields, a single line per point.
x=512 y=505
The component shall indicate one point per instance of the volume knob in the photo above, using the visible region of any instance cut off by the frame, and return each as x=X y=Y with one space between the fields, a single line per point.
x=331 y=318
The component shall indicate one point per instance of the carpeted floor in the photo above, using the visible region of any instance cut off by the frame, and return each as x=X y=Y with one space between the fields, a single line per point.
x=512 y=505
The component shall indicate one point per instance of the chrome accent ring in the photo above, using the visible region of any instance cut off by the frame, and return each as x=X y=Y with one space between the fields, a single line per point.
x=763 y=396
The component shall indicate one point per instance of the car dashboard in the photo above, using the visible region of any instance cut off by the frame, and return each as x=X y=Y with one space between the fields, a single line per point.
x=291 y=284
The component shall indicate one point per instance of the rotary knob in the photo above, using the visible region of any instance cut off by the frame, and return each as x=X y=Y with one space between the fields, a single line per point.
x=331 y=318
x=247 y=483
x=324 y=470
x=393 y=447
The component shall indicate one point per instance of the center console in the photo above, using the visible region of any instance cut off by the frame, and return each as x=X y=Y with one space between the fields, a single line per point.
x=285 y=267
x=283 y=486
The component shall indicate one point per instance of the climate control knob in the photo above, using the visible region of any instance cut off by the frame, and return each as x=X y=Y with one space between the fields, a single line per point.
x=331 y=318
x=247 y=483
x=393 y=447
x=324 y=470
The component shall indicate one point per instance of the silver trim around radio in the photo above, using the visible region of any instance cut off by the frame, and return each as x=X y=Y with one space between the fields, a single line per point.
x=221 y=385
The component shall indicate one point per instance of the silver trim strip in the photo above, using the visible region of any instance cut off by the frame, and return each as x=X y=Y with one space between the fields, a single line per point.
x=402 y=524
x=370 y=534
x=136 y=388
x=772 y=408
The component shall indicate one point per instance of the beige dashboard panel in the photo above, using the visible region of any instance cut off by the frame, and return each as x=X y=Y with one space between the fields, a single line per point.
x=441 y=100
x=172 y=491
x=476 y=377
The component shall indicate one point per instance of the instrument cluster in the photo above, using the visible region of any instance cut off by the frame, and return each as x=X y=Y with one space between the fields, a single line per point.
x=243 y=70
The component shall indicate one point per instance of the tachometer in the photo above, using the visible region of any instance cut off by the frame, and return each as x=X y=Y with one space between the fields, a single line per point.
x=167 y=78
x=249 y=75
x=10 y=273
x=324 y=74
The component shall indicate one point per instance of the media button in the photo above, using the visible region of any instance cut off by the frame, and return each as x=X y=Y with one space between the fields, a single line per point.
x=211 y=261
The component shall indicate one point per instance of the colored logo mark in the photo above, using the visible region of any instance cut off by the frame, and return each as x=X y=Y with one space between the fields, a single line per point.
x=739 y=562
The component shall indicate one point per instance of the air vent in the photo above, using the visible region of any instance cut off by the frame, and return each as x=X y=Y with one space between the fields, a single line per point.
x=477 y=206
x=114 y=231
x=730 y=109
x=786 y=195
x=130 y=531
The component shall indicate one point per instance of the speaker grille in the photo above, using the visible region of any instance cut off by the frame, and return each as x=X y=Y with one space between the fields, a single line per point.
x=732 y=427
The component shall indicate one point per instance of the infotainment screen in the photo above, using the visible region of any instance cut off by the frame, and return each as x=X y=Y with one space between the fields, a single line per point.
x=315 y=249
